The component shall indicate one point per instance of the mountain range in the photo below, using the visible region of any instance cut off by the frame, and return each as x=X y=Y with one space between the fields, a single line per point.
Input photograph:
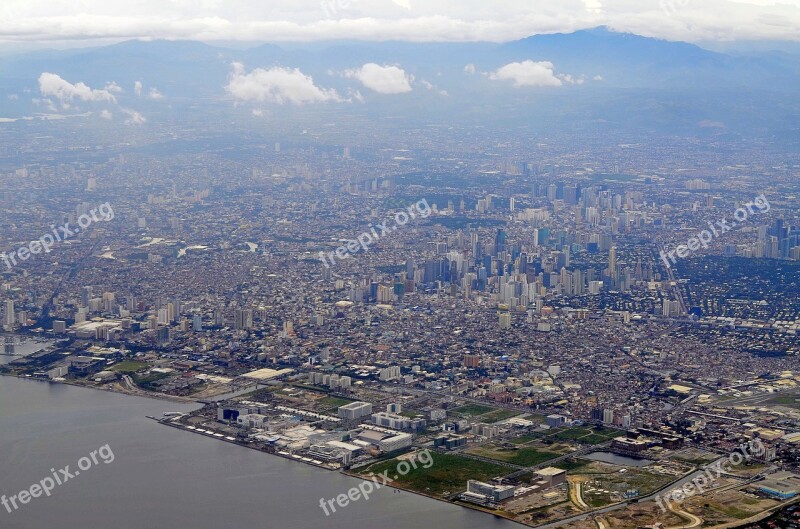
x=598 y=71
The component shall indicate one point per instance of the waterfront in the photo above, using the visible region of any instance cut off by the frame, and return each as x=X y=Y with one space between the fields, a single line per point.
x=14 y=346
x=163 y=477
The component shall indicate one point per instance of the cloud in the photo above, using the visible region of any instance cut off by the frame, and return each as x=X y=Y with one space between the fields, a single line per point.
x=598 y=78
x=155 y=94
x=527 y=73
x=593 y=6
x=382 y=79
x=134 y=118
x=470 y=69
x=137 y=88
x=53 y=85
x=443 y=20
x=277 y=85
x=433 y=88
x=569 y=79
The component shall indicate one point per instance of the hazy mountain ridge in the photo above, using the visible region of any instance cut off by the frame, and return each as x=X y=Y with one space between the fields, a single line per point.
x=590 y=68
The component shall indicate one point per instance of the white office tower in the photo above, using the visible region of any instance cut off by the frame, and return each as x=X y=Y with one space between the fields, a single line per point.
x=82 y=315
x=389 y=373
x=8 y=315
x=505 y=320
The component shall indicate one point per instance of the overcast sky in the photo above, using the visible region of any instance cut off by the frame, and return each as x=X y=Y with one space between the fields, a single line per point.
x=70 y=22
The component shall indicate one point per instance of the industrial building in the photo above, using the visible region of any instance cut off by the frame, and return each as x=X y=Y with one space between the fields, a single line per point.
x=450 y=441
x=555 y=421
x=355 y=410
x=397 y=422
x=628 y=446
x=781 y=485
x=551 y=477
x=485 y=493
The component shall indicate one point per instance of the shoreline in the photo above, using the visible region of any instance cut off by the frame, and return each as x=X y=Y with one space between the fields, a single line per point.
x=343 y=471
x=219 y=437
x=230 y=440
x=144 y=395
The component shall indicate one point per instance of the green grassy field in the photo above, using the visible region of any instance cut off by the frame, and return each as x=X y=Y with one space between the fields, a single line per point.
x=128 y=367
x=571 y=464
x=526 y=457
x=587 y=435
x=499 y=415
x=333 y=402
x=146 y=382
x=570 y=434
x=473 y=409
x=790 y=400
x=449 y=473
x=524 y=439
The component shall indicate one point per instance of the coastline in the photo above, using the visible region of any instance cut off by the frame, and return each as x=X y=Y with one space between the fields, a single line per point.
x=143 y=394
x=213 y=435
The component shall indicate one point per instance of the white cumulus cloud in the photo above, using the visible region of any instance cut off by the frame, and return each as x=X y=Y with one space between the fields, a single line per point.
x=527 y=73
x=105 y=114
x=277 y=85
x=137 y=88
x=155 y=94
x=134 y=118
x=382 y=79
x=52 y=85
x=57 y=21
x=433 y=88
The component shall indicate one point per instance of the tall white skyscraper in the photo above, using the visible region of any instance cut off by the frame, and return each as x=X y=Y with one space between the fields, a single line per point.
x=9 y=314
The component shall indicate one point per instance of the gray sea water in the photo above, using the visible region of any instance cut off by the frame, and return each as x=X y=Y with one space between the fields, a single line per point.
x=166 y=478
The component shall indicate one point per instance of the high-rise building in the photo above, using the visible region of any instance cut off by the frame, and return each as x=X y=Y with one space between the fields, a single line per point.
x=500 y=241
x=9 y=318
x=612 y=260
x=389 y=373
x=472 y=361
x=243 y=319
x=86 y=295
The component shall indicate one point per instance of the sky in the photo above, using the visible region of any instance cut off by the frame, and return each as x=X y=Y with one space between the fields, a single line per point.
x=68 y=23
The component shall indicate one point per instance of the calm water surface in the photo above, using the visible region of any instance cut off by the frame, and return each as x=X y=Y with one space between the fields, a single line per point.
x=166 y=478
